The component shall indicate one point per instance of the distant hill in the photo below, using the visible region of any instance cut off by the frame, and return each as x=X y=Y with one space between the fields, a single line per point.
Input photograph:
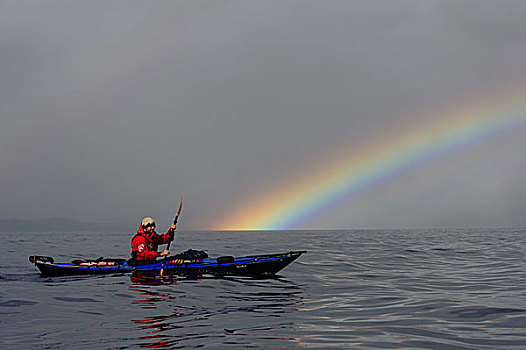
x=58 y=225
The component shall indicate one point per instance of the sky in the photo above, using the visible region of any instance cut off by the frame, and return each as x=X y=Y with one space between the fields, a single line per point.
x=112 y=110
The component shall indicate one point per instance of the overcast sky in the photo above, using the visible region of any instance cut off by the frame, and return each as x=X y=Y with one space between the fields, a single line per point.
x=111 y=110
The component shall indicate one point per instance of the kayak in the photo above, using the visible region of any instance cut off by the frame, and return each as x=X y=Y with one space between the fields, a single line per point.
x=255 y=265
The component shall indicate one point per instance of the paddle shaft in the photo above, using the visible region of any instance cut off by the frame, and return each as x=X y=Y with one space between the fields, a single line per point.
x=170 y=241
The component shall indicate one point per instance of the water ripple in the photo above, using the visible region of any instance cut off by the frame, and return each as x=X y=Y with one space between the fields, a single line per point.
x=363 y=289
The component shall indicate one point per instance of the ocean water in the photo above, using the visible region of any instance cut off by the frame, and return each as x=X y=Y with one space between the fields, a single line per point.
x=389 y=289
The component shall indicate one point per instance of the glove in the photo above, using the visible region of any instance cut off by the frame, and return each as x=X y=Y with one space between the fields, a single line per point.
x=163 y=253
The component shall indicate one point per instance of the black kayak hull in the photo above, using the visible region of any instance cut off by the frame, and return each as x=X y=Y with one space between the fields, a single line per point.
x=256 y=265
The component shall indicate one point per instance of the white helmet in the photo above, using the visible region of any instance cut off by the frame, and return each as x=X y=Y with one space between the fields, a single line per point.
x=147 y=221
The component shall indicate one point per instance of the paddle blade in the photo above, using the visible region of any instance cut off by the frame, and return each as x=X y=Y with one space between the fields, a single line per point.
x=178 y=211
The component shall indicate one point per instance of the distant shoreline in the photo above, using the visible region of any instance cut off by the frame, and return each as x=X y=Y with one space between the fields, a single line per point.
x=58 y=224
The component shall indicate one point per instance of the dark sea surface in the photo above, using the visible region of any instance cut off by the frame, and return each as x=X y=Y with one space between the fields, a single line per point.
x=389 y=289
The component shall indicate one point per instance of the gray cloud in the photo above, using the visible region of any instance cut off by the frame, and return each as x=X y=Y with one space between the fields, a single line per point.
x=112 y=110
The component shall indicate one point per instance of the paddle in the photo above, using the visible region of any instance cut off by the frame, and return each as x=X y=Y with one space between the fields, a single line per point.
x=170 y=242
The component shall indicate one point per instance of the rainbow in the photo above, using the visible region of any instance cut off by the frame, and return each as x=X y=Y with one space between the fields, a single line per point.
x=295 y=205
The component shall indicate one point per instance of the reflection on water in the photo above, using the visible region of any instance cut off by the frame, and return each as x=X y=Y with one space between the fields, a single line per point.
x=148 y=279
x=194 y=311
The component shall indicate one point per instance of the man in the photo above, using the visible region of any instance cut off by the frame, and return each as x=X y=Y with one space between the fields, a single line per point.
x=144 y=244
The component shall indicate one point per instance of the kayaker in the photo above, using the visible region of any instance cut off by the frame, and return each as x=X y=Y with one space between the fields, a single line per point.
x=145 y=243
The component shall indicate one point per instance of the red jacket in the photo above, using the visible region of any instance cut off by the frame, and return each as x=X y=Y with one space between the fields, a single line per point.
x=144 y=244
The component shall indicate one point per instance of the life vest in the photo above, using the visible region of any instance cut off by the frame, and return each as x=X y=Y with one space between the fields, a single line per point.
x=144 y=245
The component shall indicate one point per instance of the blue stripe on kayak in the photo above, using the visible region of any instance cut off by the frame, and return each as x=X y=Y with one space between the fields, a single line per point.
x=247 y=260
